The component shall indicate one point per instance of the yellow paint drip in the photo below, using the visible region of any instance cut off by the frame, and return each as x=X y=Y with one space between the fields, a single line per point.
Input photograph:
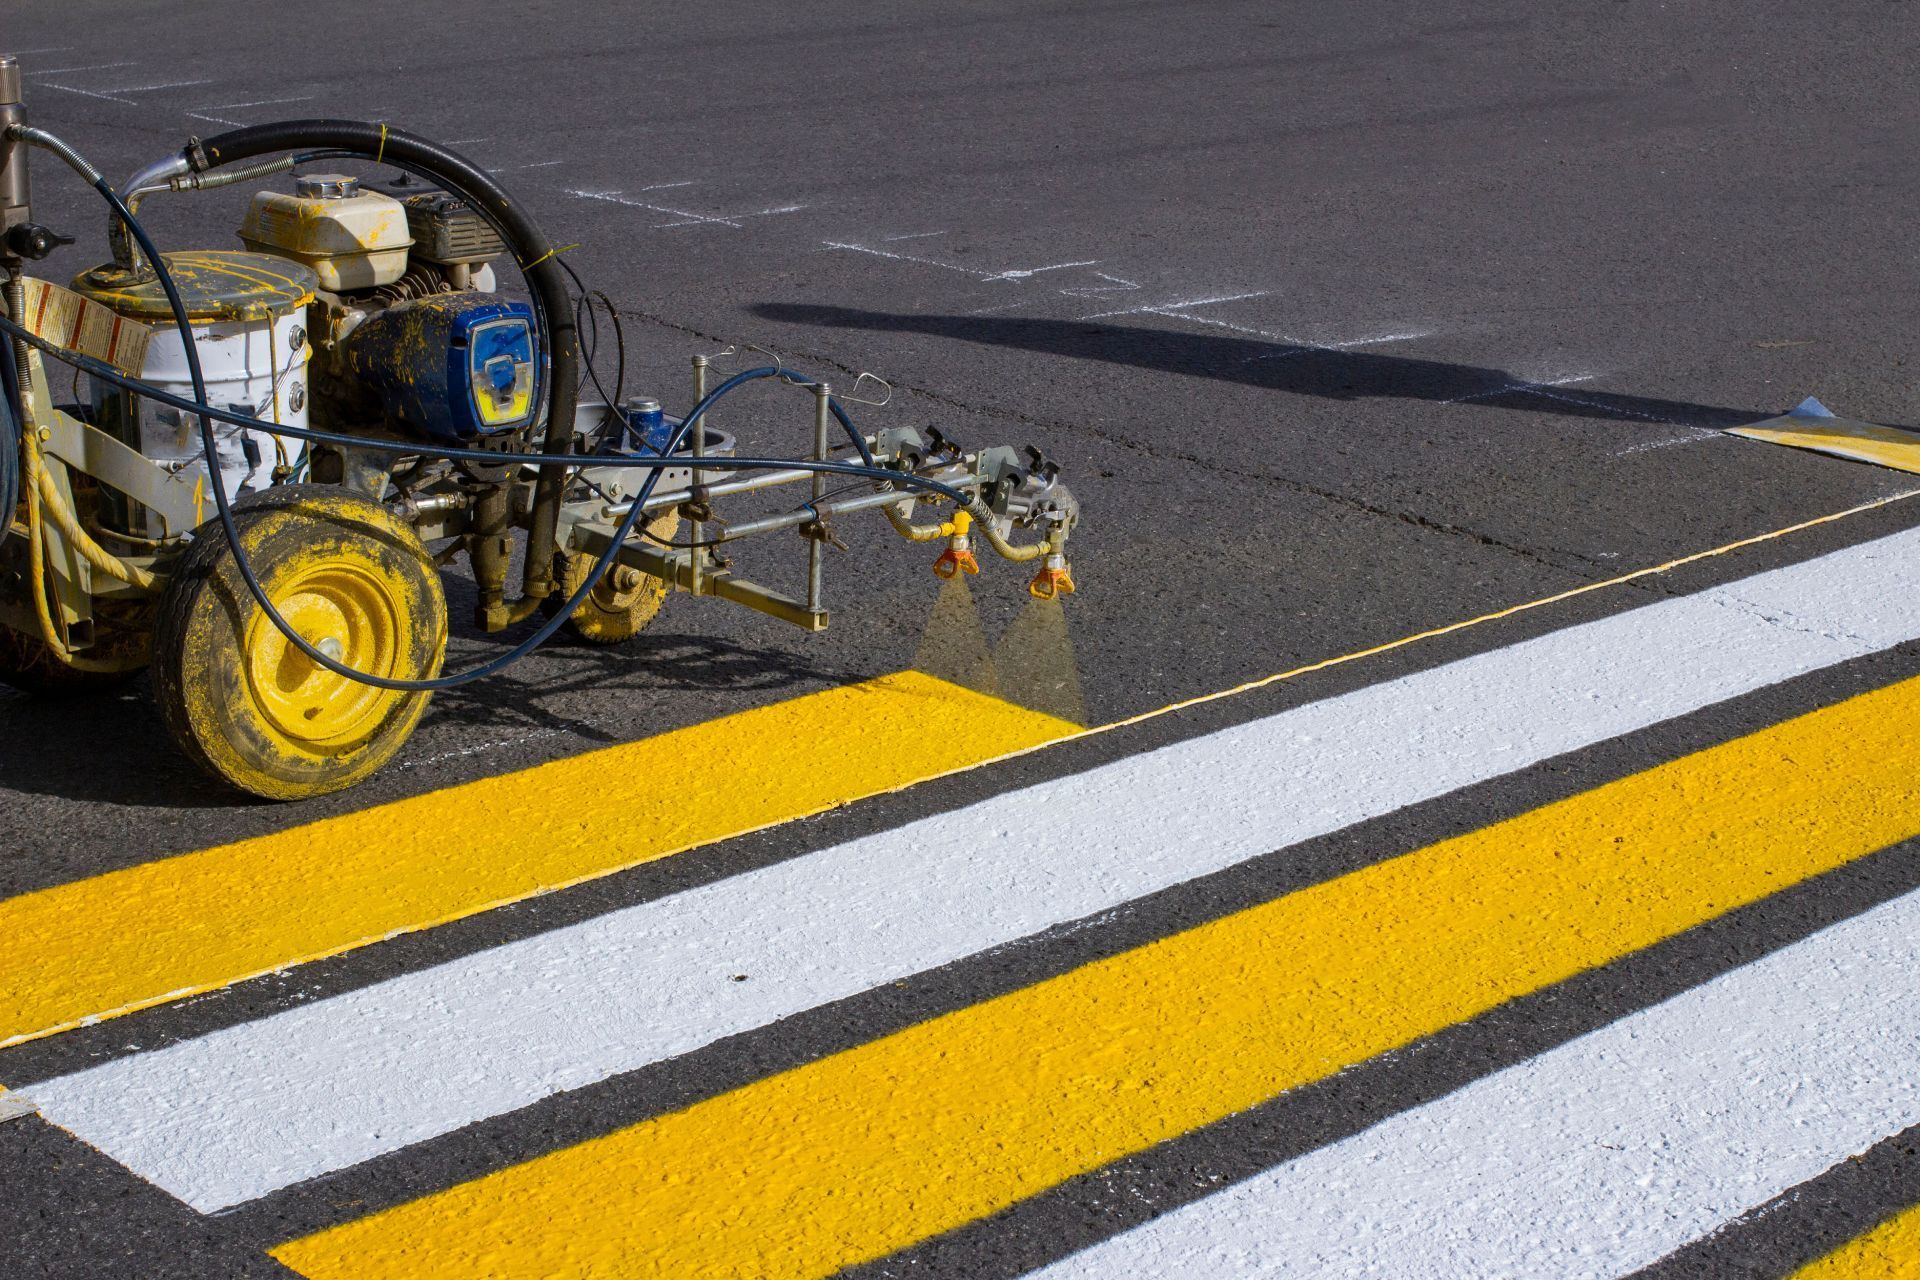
x=871 y=1150
x=1891 y=1251
x=119 y=942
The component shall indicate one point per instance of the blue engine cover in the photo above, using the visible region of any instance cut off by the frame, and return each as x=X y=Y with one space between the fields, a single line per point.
x=450 y=366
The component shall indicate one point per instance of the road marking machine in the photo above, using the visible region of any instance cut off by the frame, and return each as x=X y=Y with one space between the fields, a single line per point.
x=262 y=443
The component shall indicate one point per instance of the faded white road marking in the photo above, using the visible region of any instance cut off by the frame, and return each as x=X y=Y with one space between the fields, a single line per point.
x=94 y=66
x=1308 y=348
x=87 y=93
x=1598 y=1157
x=902 y=257
x=241 y=1112
x=1115 y=284
x=684 y=217
x=912 y=235
x=1516 y=387
x=205 y=112
x=1017 y=273
x=1034 y=271
x=1174 y=308
x=252 y=102
x=757 y=213
x=1697 y=435
x=153 y=88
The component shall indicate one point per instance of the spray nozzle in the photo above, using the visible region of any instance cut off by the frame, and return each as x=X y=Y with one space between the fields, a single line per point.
x=958 y=556
x=1054 y=580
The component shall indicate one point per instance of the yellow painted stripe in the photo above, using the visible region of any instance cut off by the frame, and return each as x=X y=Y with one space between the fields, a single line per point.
x=96 y=948
x=870 y=1150
x=1891 y=1251
x=1858 y=441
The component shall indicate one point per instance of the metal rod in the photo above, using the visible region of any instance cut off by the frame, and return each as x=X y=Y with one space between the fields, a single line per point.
x=696 y=493
x=789 y=519
x=956 y=475
x=675 y=567
x=726 y=488
x=817 y=546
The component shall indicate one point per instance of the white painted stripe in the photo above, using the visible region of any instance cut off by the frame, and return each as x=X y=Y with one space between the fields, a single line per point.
x=242 y=1112
x=1598 y=1157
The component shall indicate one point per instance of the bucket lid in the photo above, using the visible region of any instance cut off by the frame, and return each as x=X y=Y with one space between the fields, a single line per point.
x=216 y=284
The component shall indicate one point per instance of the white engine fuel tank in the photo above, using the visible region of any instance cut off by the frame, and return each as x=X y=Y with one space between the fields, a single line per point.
x=352 y=239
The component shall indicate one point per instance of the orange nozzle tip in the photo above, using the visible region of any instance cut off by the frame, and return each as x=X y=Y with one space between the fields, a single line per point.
x=953 y=562
x=1050 y=584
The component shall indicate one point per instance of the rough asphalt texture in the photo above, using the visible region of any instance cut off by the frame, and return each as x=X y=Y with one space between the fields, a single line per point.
x=1272 y=281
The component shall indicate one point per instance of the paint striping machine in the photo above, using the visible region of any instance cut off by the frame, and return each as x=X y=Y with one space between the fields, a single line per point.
x=242 y=491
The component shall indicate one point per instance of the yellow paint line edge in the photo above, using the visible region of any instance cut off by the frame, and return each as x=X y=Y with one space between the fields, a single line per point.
x=1891 y=1251
x=94 y=949
x=863 y=1153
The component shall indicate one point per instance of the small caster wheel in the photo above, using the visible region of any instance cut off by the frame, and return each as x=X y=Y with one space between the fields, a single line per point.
x=624 y=602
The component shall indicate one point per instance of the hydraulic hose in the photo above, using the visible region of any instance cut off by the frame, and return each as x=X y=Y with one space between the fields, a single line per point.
x=12 y=423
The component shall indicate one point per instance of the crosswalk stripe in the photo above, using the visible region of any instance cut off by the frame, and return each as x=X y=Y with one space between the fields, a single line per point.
x=242 y=1112
x=89 y=950
x=1598 y=1157
x=1891 y=1251
x=872 y=1149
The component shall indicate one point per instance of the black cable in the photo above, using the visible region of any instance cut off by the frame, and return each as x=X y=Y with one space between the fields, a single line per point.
x=12 y=419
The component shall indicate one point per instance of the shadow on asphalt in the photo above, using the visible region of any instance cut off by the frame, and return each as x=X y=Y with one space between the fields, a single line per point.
x=1325 y=372
x=111 y=747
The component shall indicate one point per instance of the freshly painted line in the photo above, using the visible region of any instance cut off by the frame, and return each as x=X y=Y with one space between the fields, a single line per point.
x=860 y=1154
x=1601 y=1156
x=242 y=1112
x=80 y=952
x=1891 y=1251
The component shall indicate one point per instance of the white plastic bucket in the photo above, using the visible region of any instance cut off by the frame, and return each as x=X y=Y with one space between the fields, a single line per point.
x=256 y=367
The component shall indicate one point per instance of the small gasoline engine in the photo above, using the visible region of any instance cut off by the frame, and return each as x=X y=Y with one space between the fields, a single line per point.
x=270 y=438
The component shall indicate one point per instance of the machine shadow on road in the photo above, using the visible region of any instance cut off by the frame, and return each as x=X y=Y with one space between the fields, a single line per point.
x=1326 y=372
x=143 y=770
x=649 y=664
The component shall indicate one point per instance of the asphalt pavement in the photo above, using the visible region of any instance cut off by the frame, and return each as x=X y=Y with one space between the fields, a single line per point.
x=1345 y=322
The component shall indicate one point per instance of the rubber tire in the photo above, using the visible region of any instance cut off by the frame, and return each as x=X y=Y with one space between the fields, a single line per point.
x=201 y=680
x=614 y=617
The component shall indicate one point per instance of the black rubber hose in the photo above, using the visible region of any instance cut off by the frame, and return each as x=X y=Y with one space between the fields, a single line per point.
x=12 y=414
x=531 y=250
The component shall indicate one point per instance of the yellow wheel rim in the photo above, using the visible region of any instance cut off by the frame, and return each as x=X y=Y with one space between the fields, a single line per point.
x=351 y=612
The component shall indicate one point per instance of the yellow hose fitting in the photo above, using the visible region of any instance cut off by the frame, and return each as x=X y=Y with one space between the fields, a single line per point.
x=958 y=556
